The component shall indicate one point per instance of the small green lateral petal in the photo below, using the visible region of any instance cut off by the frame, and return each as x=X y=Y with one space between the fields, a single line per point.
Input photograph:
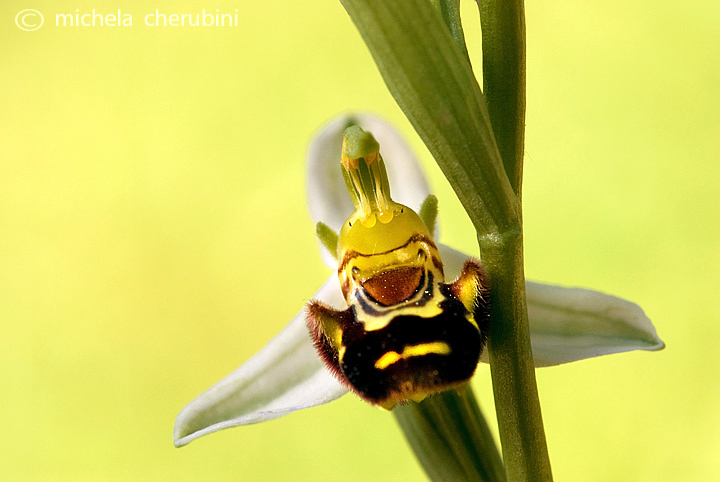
x=327 y=237
x=428 y=213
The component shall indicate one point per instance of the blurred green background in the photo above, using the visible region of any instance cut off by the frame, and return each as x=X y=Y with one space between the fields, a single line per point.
x=153 y=234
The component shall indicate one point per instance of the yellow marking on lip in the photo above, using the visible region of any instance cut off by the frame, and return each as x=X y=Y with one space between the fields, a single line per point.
x=387 y=359
x=437 y=347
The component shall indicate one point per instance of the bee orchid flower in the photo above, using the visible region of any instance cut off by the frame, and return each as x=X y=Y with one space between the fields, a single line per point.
x=566 y=324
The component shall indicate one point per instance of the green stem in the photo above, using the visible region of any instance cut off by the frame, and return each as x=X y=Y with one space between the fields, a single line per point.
x=511 y=364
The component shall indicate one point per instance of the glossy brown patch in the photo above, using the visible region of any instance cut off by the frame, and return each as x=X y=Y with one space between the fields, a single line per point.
x=394 y=286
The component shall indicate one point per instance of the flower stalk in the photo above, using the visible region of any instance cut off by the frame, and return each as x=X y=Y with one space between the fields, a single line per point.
x=451 y=438
x=511 y=362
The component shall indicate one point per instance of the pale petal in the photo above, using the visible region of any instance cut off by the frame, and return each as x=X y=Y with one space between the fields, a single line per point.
x=570 y=324
x=328 y=199
x=286 y=375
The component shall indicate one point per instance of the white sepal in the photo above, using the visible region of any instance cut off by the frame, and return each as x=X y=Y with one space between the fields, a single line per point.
x=570 y=324
x=285 y=376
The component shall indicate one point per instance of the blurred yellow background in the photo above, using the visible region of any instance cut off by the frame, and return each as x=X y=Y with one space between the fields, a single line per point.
x=153 y=234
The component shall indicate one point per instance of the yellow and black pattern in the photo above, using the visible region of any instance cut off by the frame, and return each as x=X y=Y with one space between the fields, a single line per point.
x=406 y=334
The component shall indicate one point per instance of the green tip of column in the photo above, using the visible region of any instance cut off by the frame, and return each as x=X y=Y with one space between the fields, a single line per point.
x=358 y=143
